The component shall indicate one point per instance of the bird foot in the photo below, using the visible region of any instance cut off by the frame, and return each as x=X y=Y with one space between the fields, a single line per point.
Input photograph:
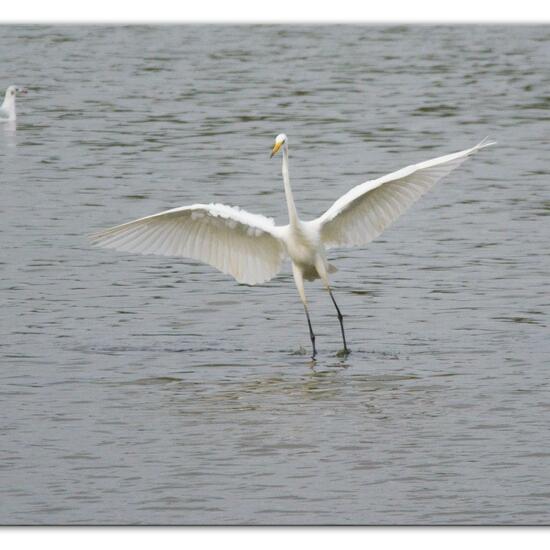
x=343 y=352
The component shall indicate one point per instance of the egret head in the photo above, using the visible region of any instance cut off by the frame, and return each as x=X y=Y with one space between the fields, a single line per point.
x=280 y=140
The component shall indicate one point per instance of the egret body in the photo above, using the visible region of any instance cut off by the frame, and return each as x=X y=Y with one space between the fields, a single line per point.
x=252 y=248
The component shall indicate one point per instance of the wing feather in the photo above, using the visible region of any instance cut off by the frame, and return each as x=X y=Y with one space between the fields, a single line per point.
x=365 y=211
x=246 y=246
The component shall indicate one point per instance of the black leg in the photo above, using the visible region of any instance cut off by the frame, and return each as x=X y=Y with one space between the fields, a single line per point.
x=311 y=335
x=340 y=319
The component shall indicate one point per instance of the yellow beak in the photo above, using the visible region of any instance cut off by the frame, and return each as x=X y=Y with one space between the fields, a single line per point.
x=275 y=149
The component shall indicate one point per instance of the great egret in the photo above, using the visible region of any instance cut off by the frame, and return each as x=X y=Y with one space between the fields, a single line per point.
x=7 y=110
x=251 y=248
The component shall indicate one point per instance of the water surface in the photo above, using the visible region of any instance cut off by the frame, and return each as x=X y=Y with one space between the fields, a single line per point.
x=142 y=389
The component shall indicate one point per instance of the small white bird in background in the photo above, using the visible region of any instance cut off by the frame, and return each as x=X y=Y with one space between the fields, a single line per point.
x=7 y=110
x=251 y=248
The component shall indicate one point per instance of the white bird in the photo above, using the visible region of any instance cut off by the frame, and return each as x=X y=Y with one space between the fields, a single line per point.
x=7 y=110
x=251 y=248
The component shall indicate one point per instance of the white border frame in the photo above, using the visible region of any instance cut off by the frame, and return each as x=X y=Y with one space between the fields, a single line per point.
x=128 y=11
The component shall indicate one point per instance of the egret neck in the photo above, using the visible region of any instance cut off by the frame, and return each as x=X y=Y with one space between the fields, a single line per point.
x=292 y=214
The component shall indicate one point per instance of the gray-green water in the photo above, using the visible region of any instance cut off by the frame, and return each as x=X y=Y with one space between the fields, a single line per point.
x=152 y=390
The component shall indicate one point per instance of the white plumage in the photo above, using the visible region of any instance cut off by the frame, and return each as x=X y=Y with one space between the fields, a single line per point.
x=251 y=248
x=7 y=109
x=246 y=246
x=359 y=216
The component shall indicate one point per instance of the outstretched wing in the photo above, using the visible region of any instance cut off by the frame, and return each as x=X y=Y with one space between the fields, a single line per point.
x=365 y=211
x=234 y=241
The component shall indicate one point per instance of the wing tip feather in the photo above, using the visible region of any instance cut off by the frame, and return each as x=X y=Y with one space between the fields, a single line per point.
x=485 y=142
